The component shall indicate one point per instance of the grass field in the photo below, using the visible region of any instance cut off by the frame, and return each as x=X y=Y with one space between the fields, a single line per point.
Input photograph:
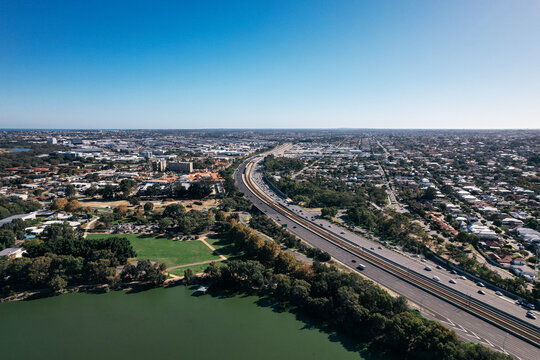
x=195 y=268
x=170 y=252
x=225 y=248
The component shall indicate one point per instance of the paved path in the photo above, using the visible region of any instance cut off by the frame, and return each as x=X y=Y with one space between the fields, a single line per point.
x=195 y=263
x=213 y=249
x=90 y=226
x=221 y=257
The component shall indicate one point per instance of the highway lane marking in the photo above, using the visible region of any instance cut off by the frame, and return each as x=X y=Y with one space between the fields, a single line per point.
x=480 y=340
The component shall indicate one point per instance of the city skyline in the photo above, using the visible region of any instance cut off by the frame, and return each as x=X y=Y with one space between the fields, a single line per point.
x=414 y=65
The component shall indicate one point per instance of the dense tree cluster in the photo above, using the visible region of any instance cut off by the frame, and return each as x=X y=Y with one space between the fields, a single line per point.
x=236 y=202
x=145 y=271
x=394 y=227
x=30 y=158
x=232 y=199
x=267 y=226
x=198 y=190
x=282 y=164
x=62 y=258
x=324 y=192
x=176 y=218
x=344 y=300
x=14 y=230
x=9 y=208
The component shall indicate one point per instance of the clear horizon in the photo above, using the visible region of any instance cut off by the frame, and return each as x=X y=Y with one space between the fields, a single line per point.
x=270 y=65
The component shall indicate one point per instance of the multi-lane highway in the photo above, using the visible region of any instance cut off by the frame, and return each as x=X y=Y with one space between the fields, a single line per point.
x=489 y=319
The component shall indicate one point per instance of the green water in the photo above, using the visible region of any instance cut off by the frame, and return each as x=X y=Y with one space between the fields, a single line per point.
x=158 y=324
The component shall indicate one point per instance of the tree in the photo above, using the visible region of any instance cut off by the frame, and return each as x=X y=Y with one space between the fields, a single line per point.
x=58 y=284
x=121 y=210
x=73 y=206
x=108 y=191
x=285 y=262
x=59 y=204
x=429 y=194
x=126 y=186
x=200 y=189
x=148 y=206
x=59 y=231
x=174 y=211
x=328 y=212
x=220 y=216
x=7 y=238
x=69 y=191
x=164 y=224
x=189 y=276
x=269 y=252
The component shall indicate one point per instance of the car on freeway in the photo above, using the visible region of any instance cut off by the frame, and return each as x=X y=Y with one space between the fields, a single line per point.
x=498 y=293
x=452 y=281
x=361 y=267
x=294 y=227
x=353 y=260
x=436 y=278
x=530 y=306
x=427 y=268
x=481 y=292
x=453 y=272
x=439 y=267
x=416 y=256
x=531 y=315
x=378 y=247
x=481 y=284
x=463 y=277
x=423 y=260
x=343 y=232
x=372 y=248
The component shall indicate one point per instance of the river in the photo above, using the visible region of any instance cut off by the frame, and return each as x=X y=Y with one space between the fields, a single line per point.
x=158 y=324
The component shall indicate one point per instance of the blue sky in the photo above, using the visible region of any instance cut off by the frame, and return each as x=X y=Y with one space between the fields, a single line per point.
x=270 y=64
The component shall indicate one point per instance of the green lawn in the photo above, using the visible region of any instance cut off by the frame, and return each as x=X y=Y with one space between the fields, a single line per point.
x=224 y=247
x=159 y=249
x=195 y=268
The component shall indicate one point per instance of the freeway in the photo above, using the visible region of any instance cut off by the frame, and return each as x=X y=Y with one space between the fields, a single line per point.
x=459 y=310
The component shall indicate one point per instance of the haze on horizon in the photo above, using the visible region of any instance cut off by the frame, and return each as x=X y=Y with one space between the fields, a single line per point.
x=270 y=64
